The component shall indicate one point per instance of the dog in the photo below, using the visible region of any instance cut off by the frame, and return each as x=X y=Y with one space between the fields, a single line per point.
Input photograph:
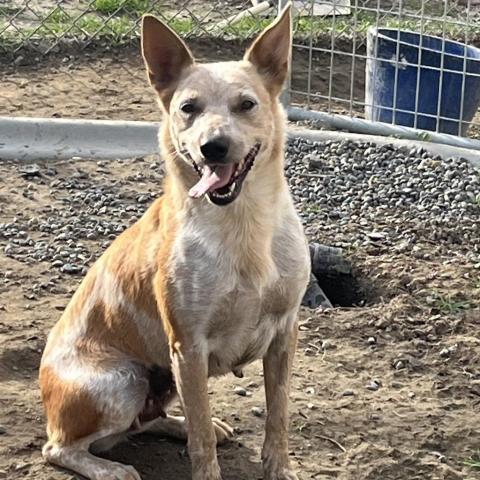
x=207 y=281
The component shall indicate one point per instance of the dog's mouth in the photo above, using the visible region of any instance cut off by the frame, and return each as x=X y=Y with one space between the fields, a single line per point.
x=223 y=183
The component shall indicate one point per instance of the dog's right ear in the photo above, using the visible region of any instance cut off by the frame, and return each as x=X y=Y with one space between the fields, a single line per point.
x=165 y=55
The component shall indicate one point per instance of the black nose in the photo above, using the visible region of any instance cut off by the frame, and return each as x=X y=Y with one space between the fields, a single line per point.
x=215 y=149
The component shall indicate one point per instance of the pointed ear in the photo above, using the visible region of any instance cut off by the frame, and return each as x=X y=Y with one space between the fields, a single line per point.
x=165 y=55
x=270 y=52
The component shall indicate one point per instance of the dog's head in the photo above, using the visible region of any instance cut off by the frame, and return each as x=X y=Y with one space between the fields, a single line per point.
x=220 y=115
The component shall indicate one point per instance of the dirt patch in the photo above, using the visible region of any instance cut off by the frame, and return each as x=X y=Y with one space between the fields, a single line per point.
x=94 y=84
x=387 y=391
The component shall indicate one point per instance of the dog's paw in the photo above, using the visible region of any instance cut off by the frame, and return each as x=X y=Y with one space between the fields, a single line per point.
x=223 y=431
x=116 y=471
x=209 y=471
x=276 y=467
x=280 y=474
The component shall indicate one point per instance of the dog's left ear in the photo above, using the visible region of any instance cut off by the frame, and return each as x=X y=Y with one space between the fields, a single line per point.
x=270 y=52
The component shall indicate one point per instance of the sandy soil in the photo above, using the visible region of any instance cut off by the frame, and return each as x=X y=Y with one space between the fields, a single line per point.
x=88 y=84
x=421 y=423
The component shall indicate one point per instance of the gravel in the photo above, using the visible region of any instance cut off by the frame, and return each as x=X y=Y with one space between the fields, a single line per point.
x=257 y=411
x=242 y=392
x=348 y=195
x=62 y=235
x=353 y=194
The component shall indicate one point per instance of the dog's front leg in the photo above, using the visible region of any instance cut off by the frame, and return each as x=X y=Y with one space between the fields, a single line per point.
x=190 y=366
x=277 y=365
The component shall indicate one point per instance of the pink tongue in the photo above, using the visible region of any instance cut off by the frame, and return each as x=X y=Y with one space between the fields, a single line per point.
x=212 y=180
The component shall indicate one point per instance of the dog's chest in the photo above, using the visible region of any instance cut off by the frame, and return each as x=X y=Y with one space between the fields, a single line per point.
x=234 y=313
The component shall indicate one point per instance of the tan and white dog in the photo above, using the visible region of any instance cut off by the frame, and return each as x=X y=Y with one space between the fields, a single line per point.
x=208 y=280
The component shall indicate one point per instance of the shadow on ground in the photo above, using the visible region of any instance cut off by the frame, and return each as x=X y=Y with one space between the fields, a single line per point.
x=155 y=457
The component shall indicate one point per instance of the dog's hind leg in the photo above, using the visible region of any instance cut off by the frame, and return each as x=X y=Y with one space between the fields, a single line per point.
x=176 y=427
x=76 y=457
x=86 y=407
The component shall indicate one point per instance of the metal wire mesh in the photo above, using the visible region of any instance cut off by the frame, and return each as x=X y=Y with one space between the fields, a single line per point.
x=408 y=62
x=80 y=58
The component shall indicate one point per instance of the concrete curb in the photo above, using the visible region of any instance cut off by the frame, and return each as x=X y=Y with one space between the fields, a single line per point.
x=31 y=139
x=25 y=139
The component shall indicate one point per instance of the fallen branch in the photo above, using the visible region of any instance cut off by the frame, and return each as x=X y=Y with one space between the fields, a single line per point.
x=331 y=440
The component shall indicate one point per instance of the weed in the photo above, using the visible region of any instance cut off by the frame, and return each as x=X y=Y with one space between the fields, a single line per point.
x=473 y=462
x=448 y=303
x=110 y=7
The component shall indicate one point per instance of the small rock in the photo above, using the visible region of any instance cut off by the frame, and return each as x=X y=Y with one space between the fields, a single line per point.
x=445 y=353
x=453 y=348
x=242 y=392
x=3 y=430
x=399 y=365
x=372 y=385
x=28 y=171
x=376 y=236
x=327 y=345
x=257 y=411
x=71 y=268
x=348 y=393
x=371 y=341
x=313 y=162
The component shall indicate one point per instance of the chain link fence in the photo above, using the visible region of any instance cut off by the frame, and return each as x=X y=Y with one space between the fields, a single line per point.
x=400 y=62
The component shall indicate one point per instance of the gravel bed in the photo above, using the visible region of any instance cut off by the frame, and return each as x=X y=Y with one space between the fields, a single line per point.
x=354 y=194
x=348 y=194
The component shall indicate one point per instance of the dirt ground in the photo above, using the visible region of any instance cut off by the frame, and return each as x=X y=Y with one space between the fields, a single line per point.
x=112 y=86
x=386 y=391
x=420 y=421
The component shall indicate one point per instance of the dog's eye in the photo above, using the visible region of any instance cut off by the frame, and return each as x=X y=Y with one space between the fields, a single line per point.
x=188 y=107
x=247 y=105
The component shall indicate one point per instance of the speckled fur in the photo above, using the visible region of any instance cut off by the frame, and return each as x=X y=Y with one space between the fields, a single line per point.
x=192 y=287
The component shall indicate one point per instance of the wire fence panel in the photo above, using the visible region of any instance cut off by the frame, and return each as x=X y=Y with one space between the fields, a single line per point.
x=81 y=58
x=403 y=62
x=410 y=63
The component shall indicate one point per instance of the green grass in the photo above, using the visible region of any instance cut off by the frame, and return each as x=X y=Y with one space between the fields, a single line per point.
x=314 y=208
x=449 y=304
x=117 y=21
x=59 y=24
x=473 y=462
x=6 y=11
x=109 y=7
x=357 y=25
x=183 y=26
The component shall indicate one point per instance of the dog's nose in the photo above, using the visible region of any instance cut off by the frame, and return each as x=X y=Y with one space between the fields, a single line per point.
x=215 y=149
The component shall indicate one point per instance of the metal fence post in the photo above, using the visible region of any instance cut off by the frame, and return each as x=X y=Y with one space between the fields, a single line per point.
x=285 y=96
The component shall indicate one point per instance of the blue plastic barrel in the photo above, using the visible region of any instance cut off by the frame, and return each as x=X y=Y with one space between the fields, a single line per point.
x=459 y=70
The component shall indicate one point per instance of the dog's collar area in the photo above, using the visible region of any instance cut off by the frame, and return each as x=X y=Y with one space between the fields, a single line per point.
x=230 y=191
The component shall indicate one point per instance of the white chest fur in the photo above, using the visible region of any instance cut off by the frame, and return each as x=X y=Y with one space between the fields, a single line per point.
x=235 y=292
